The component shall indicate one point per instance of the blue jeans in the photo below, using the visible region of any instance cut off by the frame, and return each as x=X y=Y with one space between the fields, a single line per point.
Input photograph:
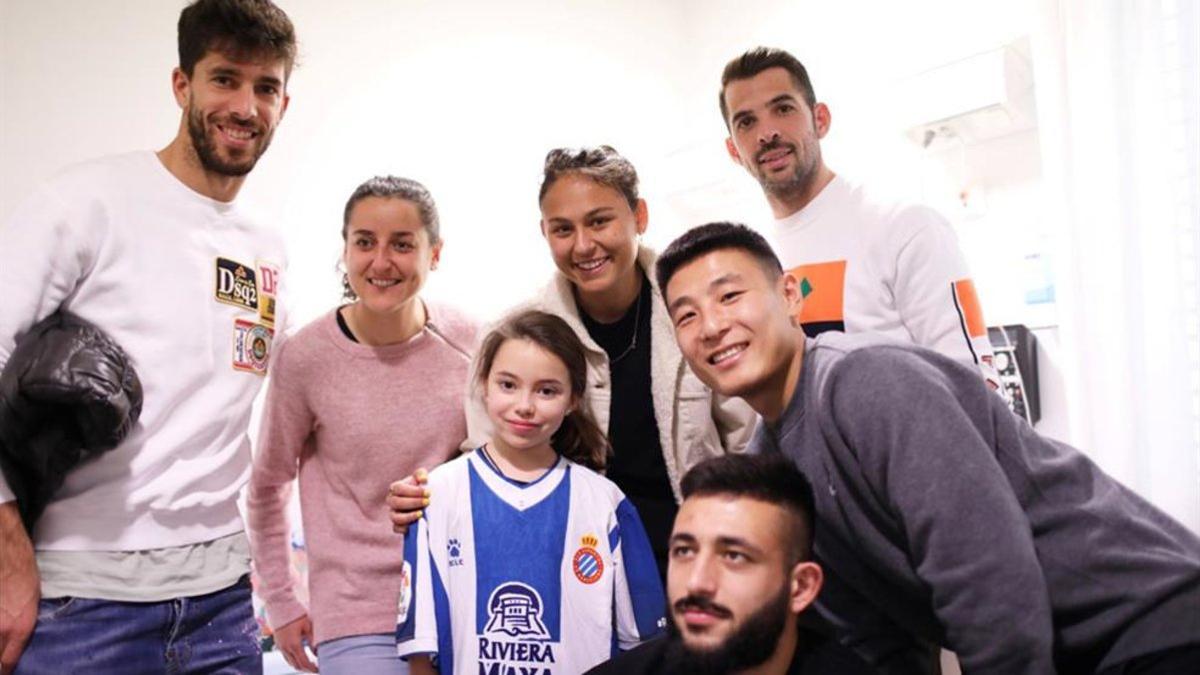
x=214 y=633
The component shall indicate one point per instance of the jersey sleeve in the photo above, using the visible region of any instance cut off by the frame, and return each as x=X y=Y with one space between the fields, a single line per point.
x=936 y=296
x=640 y=603
x=417 y=628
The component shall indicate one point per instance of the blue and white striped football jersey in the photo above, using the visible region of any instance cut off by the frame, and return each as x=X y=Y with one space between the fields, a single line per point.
x=548 y=577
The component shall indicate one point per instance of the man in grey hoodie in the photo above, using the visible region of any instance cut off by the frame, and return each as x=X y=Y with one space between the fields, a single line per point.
x=941 y=518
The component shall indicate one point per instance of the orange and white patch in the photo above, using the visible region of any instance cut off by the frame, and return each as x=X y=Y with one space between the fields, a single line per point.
x=823 y=290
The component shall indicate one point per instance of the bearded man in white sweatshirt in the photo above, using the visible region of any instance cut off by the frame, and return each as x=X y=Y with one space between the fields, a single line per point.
x=140 y=563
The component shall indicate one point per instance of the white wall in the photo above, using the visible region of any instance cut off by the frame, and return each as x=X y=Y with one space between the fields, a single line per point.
x=78 y=80
x=468 y=96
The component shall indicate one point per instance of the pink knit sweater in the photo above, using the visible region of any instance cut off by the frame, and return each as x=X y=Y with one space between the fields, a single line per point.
x=350 y=419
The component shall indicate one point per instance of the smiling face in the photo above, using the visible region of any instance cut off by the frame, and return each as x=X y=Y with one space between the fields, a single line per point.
x=733 y=324
x=231 y=110
x=388 y=255
x=774 y=134
x=592 y=232
x=527 y=394
x=731 y=587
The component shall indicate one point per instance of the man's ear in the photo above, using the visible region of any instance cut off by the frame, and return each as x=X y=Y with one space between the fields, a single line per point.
x=733 y=151
x=287 y=98
x=181 y=86
x=793 y=297
x=822 y=118
x=806 y=581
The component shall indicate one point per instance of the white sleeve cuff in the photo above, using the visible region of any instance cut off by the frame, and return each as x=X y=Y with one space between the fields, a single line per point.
x=416 y=647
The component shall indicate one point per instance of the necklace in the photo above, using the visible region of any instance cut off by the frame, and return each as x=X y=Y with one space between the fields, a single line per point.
x=360 y=330
x=637 y=316
x=491 y=461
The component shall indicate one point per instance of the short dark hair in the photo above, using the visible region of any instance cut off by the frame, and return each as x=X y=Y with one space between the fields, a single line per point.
x=769 y=477
x=705 y=239
x=759 y=59
x=241 y=29
x=602 y=164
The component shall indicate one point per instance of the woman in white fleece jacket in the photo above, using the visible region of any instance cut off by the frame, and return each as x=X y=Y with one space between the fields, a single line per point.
x=660 y=419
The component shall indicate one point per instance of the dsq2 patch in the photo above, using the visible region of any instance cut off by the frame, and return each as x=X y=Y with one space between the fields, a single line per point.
x=237 y=284
x=587 y=563
x=251 y=346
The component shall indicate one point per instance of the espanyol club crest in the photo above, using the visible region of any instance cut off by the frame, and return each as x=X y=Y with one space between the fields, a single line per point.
x=587 y=563
x=516 y=609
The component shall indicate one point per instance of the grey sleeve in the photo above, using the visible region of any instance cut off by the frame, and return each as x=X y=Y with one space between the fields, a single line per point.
x=920 y=428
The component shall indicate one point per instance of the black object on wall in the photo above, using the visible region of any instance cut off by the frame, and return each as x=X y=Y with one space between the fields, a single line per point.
x=1015 y=348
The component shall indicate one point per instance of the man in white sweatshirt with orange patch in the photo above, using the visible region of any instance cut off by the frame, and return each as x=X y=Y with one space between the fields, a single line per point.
x=864 y=263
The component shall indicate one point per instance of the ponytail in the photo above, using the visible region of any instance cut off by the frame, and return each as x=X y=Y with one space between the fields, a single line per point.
x=580 y=440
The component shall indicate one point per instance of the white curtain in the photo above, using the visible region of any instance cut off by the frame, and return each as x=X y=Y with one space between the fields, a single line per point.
x=1118 y=91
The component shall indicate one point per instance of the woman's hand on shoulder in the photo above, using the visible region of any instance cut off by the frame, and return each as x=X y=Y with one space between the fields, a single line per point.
x=407 y=499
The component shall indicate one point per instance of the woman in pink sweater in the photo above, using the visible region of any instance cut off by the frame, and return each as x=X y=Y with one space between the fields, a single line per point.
x=370 y=391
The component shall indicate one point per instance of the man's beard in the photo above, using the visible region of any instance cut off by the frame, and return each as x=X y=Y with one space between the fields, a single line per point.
x=750 y=645
x=800 y=178
x=206 y=148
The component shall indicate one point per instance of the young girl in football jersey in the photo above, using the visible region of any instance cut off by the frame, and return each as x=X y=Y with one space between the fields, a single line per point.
x=659 y=419
x=528 y=560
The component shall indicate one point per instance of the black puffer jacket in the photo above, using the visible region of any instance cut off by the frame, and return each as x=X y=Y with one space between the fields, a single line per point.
x=68 y=393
